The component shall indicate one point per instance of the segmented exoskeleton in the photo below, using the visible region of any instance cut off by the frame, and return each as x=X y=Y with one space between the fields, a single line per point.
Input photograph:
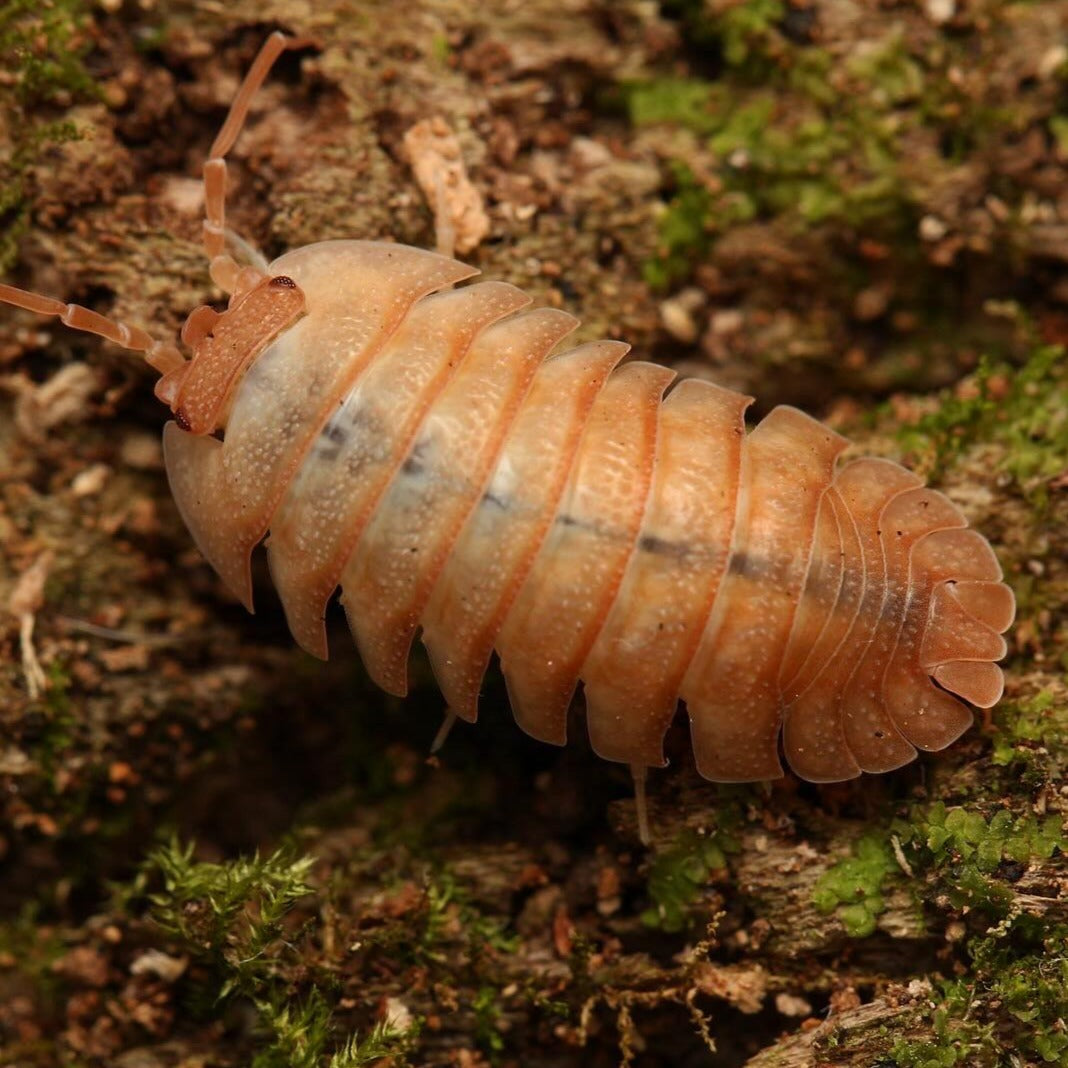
x=420 y=447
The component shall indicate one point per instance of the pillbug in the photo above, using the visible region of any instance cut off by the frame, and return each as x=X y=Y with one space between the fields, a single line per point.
x=420 y=445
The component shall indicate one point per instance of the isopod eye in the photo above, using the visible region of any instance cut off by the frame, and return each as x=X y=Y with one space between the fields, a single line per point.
x=283 y=281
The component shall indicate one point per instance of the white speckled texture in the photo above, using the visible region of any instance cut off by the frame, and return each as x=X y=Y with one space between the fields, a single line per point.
x=358 y=451
x=358 y=293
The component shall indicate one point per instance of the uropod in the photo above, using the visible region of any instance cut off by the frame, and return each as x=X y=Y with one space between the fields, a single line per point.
x=422 y=446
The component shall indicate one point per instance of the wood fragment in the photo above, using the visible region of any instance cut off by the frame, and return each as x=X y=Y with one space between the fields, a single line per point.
x=26 y=600
x=460 y=218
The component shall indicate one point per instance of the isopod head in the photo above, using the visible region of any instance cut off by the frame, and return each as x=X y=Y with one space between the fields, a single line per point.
x=200 y=392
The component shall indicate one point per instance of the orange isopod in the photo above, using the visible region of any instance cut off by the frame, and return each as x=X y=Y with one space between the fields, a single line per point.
x=416 y=445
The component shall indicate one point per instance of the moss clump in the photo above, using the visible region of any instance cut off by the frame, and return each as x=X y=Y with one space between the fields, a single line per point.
x=962 y=418
x=1032 y=738
x=773 y=154
x=43 y=46
x=685 y=102
x=684 y=233
x=302 y=1035
x=965 y=834
x=1023 y=409
x=678 y=875
x=486 y=1006
x=56 y=727
x=963 y=850
x=231 y=918
x=449 y=906
x=230 y=913
x=853 y=887
x=1013 y=999
x=796 y=136
x=819 y=160
x=891 y=74
x=749 y=32
x=750 y=36
x=42 y=42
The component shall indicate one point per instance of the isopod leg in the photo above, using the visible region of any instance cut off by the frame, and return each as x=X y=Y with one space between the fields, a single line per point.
x=36 y=679
x=444 y=731
x=444 y=227
x=225 y=271
x=640 y=771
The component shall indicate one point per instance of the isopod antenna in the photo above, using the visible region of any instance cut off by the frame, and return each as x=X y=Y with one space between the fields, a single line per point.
x=226 y=272
x=157 y=354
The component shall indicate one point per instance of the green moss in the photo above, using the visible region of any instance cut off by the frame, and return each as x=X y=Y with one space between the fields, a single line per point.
x=1032 y=738
x=43 y=47
x=746 y=34
x=964 y=833
x=749 y=32
x=384 y=1043
x=1032 y=422
x=42 y=43
x=810 y=162
x=823 y=141
x=808 y=158
x=486 y=1005
x=58 y=726
x=684 y=233
x=743 y=130
x=1029 y=720
x=678 y=875
x=231 y=918
x=1013 y=998
x=686 y=102
x=853 y=887
x=789 y=163
x=963 y=850
x=960 y=420
x=960 y=851
x=230 y=914
x=447 y=900
x=57 y=695
x=1023 y=409
x=301 y=1036
x=889 y=73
